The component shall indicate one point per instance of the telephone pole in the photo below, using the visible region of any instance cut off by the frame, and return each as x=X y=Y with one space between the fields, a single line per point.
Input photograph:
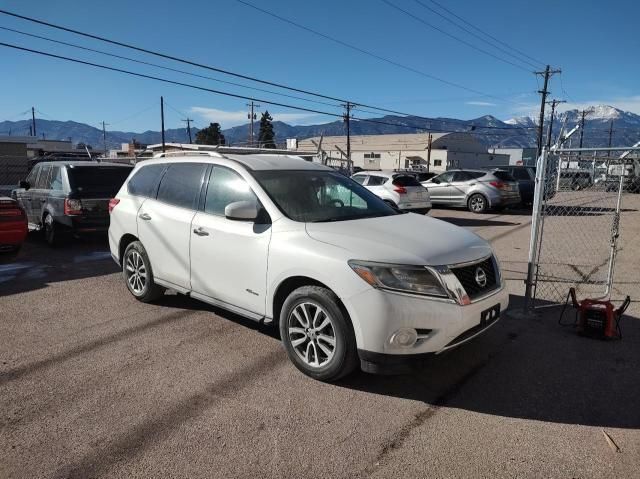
x=162 y=121
x=33 y=120
x=347 y=120
x=554 y=103
x=610 y=136
x=583 y=113
x=429 y=151
x=251 y=116
x=188 y=121
x=544 y=92
x=104 y=137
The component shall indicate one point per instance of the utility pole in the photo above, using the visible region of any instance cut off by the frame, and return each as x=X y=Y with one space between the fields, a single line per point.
x=544 y=92
x=104 y=137
x=347 y=120
x=429 y=151
x=554 y=103
x=33 y=120
x=582 y=116
x=188 y=121
x=610 y=136
x=162 y=121
x=251 y=116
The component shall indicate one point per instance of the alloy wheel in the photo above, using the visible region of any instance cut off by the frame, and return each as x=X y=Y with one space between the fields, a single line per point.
x=477 y=203
x=136 y=272
x=312 y=334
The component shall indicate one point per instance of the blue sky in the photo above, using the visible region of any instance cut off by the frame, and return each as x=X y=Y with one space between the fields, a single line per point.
x=594 y=42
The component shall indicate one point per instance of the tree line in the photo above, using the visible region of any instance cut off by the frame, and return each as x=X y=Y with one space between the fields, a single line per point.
x=212 y=135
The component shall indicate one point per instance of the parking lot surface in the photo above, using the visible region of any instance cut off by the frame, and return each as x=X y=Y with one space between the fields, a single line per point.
x=96 y=384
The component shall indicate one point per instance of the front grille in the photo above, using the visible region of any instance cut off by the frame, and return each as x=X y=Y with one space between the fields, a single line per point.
x=467 y=276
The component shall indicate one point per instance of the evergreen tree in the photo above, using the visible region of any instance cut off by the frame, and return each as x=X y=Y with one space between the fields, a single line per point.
x=211 y=135
x=266 y=137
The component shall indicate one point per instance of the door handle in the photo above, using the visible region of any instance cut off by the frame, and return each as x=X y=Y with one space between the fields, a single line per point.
x=144 y=216
x=200 y=232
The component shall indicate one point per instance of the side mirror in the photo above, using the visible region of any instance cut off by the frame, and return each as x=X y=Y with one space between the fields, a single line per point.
x=241 y=211
x=24 y=184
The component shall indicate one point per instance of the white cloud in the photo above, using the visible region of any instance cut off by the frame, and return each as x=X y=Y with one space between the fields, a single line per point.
x=480 y=103
x=234 y=118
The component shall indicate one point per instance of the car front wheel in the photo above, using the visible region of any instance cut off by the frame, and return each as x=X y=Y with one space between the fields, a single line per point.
x=317 y=334
x=136 y=269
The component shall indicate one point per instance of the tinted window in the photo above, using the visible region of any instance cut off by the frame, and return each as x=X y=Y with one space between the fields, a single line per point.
x=503 y=175
x=145 y=181
x=55 y=180
x=405 y=180
x=377 y=180
x=180 y=185
x=359 y=178
x=43 y=177
x=520 y=174
x=102 y=181
x=445 y=177
x=461 y=176
x=33 y=176
x=226 y=187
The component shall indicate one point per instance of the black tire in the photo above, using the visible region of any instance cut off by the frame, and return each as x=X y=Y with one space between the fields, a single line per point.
x=344 y=359
x=52 y=231
x=144 y=287
x=477 y=203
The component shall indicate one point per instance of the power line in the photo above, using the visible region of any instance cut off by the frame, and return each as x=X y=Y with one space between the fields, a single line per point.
x=369 y=53
x=456 y=38
x=485 y=33
x=536 y=65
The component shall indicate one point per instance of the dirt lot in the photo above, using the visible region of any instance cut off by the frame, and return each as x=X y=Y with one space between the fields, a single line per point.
x=95 y=384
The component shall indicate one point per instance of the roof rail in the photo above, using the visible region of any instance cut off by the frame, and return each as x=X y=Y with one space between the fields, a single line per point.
x=168 y=154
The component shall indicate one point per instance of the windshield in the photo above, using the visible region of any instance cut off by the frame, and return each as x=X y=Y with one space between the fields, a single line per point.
x=97 y=180
x=319 y=196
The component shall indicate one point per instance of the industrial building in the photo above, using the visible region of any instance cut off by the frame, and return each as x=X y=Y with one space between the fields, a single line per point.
x=518 y=156
x=429 y=151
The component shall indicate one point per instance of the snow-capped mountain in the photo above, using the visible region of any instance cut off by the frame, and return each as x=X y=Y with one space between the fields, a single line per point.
x=522 y=121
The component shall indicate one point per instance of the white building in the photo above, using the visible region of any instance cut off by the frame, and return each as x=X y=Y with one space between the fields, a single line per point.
x=401 y=151
x=518 y=156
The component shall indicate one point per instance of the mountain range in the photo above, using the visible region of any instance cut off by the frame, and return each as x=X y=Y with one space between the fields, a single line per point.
x=515 y=132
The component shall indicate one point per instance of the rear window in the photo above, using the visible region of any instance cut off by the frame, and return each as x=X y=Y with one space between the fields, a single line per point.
x=503 y=176
x=405 y=180
x=97 y=180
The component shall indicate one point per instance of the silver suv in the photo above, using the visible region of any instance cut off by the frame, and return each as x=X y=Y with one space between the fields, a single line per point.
x=400 y=190
x=478 y=190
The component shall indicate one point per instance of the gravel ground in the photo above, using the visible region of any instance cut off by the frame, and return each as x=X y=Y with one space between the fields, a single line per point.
x=95 y=384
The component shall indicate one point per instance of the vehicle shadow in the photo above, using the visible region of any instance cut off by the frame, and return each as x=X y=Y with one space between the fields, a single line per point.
x=38 y=265
x=529 y=368
x=475 y=221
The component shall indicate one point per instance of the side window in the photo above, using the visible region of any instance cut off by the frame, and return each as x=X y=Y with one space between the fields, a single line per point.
x=225 y=187
x=359 y=178
x=376 y=180
x=55 y=182
x=180 y=185
x=446 y=177
x=43 y=177
x=461 y=176
x=145 y=181
x=33 y=176
x=475 y=174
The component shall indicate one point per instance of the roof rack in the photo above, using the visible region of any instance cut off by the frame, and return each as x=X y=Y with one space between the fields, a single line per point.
x=188 y=153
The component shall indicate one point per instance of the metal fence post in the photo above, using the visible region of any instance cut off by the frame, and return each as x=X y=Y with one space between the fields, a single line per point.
x=538 y=198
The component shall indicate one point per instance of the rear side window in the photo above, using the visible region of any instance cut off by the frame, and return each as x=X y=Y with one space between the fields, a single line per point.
x=181 y=184
x=55 y=181
x=43 y=177
x=226 y=187
x=405 y=180
x=474 y=175
x=101 y=181
x=503 y=175
x=376 y=180
x=359 y=178
x=145 y=181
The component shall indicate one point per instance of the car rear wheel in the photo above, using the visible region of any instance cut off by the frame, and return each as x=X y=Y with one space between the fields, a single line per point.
x=477 y=203
x=52 y=234
x=317 y=334
x=136 y=269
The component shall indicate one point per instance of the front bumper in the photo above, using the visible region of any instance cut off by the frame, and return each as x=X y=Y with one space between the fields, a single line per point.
x=441 y=324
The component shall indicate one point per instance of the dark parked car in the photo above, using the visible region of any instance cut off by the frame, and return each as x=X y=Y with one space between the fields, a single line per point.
x=526 y=178
x=64 y=198
x=575 y=180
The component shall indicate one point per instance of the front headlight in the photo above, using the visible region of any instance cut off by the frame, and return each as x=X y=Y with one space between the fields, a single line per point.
x=405 y=278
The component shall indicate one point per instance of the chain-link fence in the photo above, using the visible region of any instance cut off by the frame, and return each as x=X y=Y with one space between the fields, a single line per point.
x=12 y=170
x=576 y=222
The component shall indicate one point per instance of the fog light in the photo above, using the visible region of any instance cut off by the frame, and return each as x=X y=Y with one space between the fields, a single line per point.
x=404 y=338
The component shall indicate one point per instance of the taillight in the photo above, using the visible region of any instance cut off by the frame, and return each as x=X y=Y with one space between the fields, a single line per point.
x=399 y=189
x=72 y=207
x=497 y=184
x=112 y=204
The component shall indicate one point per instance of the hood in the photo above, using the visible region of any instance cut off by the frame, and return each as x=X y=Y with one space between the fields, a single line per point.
x=403 y=239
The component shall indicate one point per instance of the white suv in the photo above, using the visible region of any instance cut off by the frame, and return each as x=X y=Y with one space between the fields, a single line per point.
x=400 y=190
x=277 y=239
